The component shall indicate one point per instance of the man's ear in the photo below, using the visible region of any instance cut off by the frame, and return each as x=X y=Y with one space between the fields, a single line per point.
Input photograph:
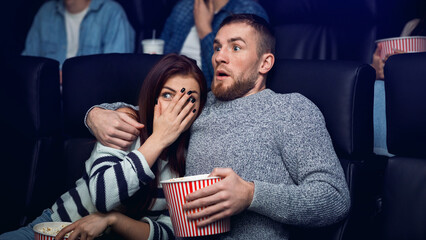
x=268 y=60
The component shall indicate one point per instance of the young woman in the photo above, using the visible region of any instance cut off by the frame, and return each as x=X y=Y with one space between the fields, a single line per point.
x=121 y=189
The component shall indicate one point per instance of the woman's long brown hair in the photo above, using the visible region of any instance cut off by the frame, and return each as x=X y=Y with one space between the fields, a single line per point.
x=169 y=66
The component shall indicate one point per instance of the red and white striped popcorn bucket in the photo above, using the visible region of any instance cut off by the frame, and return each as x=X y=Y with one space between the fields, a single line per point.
x=175 y=191
x=48 y=230
x=405 y=44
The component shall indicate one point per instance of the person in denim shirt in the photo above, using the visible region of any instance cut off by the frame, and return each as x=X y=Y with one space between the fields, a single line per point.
x=205 y=17
x=104 y=28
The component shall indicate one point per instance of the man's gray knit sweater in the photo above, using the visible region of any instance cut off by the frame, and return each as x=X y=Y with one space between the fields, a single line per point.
x=280 y=142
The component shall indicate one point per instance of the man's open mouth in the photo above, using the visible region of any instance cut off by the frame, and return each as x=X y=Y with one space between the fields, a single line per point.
x=222 y=73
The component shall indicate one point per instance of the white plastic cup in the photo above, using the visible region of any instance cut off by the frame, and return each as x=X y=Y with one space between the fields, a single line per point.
x=153 y=46
x=175 y=191
x=405 y=44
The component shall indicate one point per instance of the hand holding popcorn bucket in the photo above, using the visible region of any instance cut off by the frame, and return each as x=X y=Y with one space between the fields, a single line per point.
x=175 y=191
x=391 y=46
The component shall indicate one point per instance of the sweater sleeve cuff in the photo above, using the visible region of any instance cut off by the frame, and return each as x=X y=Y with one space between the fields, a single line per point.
x=140 y=166
x=151 y=227
x=159 y=229
x=85 y=118
x=258 y=203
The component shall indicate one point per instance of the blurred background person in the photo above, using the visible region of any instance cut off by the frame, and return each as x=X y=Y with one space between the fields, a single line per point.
x=191 y=27
x=67 y=28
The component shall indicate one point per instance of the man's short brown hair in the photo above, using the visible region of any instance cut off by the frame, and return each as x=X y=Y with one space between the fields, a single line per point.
x=264 y=31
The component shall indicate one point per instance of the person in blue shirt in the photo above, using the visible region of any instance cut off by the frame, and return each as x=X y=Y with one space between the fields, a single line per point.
x=66 y=28
x=191 y=27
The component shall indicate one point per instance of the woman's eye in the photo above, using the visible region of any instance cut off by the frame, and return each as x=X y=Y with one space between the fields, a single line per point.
x=217 y=49
x=167 y=95
x=237 y=48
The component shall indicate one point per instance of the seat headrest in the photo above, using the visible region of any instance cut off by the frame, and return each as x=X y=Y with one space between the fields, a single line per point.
x=103 y=78
x=31 y=95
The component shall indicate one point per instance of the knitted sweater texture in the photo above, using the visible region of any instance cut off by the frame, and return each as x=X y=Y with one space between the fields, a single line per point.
x=280 y=142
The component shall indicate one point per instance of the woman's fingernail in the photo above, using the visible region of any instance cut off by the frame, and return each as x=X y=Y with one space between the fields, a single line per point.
x=189 y=92
x=193 y=100
x=194 y=110
x=182 y=90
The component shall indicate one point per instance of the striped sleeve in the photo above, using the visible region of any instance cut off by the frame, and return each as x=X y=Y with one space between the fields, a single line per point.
x=160 y=228
x=115 y=175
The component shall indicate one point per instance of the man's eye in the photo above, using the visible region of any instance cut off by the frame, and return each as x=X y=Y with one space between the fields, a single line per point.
x=237 y=48
x=217 y=49
x=167 y=95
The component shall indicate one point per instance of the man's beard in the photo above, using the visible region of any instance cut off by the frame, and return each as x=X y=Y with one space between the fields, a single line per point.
x=238 y=89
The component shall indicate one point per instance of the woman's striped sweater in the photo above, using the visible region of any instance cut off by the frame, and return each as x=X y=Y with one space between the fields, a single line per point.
x=111 y=177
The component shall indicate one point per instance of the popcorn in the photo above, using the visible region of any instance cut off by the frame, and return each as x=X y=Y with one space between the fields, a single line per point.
x=54 y=231
x=48 y=230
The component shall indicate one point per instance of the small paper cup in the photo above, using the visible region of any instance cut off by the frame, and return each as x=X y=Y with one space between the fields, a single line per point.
x=405 y=44
x=175 y=191
x=48 y=230
x=153 y=46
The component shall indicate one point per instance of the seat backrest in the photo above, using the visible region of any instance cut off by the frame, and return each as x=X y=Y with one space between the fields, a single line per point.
x=404 y=208
x=343 y=91
x=92 y=80
x=31 y=128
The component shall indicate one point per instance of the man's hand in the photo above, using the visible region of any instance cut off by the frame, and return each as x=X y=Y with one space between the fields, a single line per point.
x=203 y=17
x=129 y=111
x=116 y=129
x=223 y=199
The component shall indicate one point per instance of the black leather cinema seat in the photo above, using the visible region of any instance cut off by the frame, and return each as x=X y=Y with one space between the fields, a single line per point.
x=343 y=91
x=404 y=200
x=91 y=80
x=30 y=127
x=326 y=30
